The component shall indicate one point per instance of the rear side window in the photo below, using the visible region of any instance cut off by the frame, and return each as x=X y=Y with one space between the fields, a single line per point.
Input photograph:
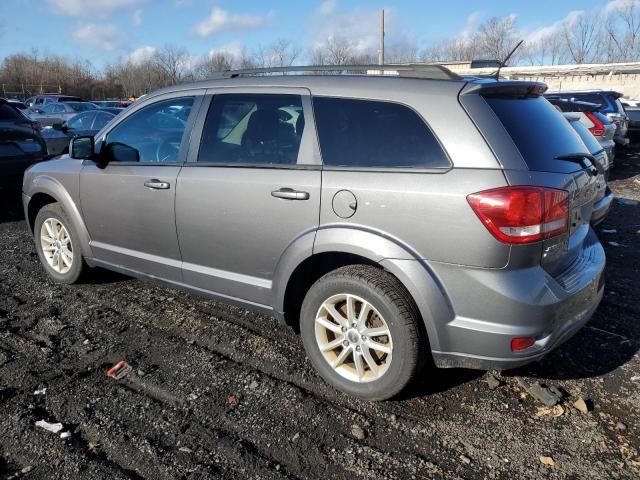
x=539 y=131
x=370 y=134
x=253 y=130
x=8 y=113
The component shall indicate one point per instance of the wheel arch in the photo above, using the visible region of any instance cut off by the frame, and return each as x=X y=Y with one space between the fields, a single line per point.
x=45 y=190
x=336 y=248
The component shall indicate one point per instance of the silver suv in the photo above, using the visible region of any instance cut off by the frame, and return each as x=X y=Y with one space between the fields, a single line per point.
x=394 y=220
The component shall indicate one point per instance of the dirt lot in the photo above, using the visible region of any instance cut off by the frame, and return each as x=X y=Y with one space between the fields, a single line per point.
x=218 y=392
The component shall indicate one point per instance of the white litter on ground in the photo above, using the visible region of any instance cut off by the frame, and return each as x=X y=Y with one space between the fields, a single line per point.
x=49 y=427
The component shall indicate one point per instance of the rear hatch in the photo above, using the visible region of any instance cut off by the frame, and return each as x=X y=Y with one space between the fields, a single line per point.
x=554 y=157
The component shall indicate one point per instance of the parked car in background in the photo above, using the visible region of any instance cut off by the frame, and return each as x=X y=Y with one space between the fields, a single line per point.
x=629 y=103
x=86 y=123
x=38 y=101
x=599 y=158
x=610 y=105
x=111 y=103
x=634 y=123
x=60 y=112
x=19 y=105
x=20 y=145
x=349 y=207
x=597 y=123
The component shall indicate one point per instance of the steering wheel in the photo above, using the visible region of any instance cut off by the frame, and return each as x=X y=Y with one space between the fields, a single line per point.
x=168 y=150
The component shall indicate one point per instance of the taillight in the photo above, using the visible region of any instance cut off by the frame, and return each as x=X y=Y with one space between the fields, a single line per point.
x=522 y=343
x=598 y=127
x=522 y=214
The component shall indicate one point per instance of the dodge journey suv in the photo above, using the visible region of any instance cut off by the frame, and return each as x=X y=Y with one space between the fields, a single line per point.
x=393 y=220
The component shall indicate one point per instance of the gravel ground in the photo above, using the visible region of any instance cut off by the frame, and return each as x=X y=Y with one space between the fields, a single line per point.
x=218 y=392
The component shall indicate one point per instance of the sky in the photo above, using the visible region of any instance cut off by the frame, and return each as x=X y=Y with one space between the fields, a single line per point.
x=110 y=31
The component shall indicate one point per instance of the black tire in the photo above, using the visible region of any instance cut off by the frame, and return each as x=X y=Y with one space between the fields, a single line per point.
x=387 y=295
x=55 y=210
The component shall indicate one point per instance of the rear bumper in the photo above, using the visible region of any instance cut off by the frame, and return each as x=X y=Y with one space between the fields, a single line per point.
x=494 y=306
x=601 y=208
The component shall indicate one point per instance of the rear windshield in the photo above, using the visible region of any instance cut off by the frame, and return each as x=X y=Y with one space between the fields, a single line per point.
x=8 y=113
x=539 y=131
x=589 y=140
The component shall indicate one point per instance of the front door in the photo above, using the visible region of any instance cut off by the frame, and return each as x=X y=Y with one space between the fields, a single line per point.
x=128 y=195
x=250 y=191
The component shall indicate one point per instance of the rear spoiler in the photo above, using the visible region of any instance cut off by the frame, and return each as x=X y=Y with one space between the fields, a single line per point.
x=505 y=89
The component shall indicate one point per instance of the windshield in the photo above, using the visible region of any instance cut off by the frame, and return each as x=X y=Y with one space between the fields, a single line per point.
x=82 y=106
x=540 y=132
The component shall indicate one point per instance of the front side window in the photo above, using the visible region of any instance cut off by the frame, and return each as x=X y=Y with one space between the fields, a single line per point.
x=48 y=108
x=253 y=130
x=153 y=134
x=371 y=134
x=81 y=121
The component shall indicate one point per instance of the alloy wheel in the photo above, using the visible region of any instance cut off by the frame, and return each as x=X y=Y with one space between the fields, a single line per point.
x=353 y=338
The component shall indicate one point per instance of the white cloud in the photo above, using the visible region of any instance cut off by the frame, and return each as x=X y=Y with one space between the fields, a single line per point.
x=104 y=36
x=140 y=54
x=222 y=21
x=556 y=27
x=619 y=5
x=234 y=49
x=91 y=7
x=327 y=7
x=471 y=25
x=361 y=27
x=136 y=18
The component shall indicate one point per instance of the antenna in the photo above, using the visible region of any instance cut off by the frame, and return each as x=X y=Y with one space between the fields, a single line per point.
x=504 y=62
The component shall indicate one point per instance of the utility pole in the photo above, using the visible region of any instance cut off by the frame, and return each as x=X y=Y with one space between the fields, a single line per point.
x=381 y=49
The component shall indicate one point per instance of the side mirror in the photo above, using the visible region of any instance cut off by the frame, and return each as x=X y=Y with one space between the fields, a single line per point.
x=81 y=148
x=62 y=127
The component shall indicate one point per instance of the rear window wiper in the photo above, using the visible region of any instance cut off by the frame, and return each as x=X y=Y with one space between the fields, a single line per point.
x=579 y=158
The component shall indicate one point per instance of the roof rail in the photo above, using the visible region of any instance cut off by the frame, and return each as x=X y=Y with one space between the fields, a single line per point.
x=431 y=71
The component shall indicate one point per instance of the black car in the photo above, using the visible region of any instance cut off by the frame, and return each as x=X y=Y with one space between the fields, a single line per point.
x=20 y=145
x=85 y=123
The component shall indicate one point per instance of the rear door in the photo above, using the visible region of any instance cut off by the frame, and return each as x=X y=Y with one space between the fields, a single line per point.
x=249 y=192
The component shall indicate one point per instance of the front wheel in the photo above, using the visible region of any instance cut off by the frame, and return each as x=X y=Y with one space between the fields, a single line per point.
x=360 y=328
x=57 y=244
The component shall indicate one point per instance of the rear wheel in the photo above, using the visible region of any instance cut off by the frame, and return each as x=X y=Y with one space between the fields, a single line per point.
x=360 y=328
x=57 y=245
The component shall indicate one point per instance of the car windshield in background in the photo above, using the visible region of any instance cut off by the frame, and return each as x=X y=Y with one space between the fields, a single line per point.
x=82 y=106
x=9 y=113
x=540 y=132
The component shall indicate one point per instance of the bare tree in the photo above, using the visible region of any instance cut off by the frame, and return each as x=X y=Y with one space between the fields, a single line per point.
x=622 y=37
x=173 y=62
x=282 y=53
x=456 y=49
x=550 y=49
x=582 y=38
x=213 y=63
x=496 y=37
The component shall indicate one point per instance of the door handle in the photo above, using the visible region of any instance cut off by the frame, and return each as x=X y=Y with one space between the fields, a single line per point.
x=156 y=184
x=290 y=194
